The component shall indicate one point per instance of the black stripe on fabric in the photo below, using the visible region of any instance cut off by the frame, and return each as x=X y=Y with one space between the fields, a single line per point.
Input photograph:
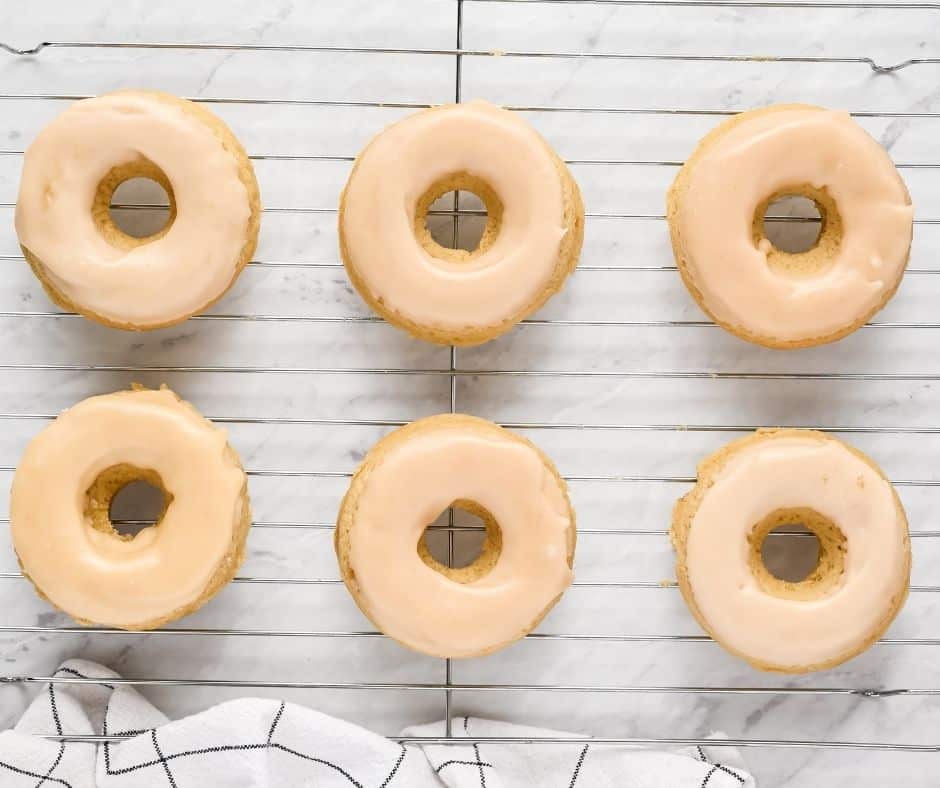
x=719 y=767
x=708 y=776
x=58 y=759
x=734 y=774
x=476 y=752
x=27 y=773
x=104 y=731
x=269 y=744
x=83 y=676
x=578 y=765
x=55 y=711
x=277 y=719
x=165 y=759
x=187 y=753
x=55 y=716
x=230 y=748
x=107 y=711
x=465 y=763
x=107 y=745
x=166 y=766
x=394 y=770
x=104 y=724
x=342 y=771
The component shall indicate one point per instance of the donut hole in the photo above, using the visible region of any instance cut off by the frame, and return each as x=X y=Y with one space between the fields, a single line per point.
x=436 y=224
x=799 y=229
x=469 y=536
x=125 y=500
x=797 y=553
x=134 y=204
x=135 y=506
x=449 y=233
x=790 y=553
x=137 y=207
x=477 y=543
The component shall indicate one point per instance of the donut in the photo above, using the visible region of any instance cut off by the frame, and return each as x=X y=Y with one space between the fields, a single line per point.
x=758 y=292
x=85 y=262
x=785 y=477
x=410 y=477
x=62 y=491
x=531 y=243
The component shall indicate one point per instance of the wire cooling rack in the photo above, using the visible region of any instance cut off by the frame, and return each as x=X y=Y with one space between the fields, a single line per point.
x=620 y=378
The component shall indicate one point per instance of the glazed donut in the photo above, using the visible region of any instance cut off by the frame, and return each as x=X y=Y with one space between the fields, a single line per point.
x=62 y=491
x=531 y=242
x=716 y=207
x=85 y=262
x=407 y=479
x=785 y=477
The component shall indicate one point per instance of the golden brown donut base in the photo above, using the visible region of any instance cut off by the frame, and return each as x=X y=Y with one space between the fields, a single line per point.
x=568 y=252
x=144 y=168
x=799 y=264
x=831 y=553
x=98 y=503
x=492 y=544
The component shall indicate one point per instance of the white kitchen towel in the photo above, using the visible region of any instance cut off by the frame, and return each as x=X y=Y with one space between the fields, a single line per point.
x=258 y=743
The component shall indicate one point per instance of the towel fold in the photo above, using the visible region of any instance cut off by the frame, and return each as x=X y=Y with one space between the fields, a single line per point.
x=259 y=743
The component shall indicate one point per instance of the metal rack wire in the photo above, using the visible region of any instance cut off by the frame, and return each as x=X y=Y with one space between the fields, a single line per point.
x=453 y=373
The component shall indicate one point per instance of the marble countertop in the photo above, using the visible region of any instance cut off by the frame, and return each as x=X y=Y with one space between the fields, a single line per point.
x=884 y=378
